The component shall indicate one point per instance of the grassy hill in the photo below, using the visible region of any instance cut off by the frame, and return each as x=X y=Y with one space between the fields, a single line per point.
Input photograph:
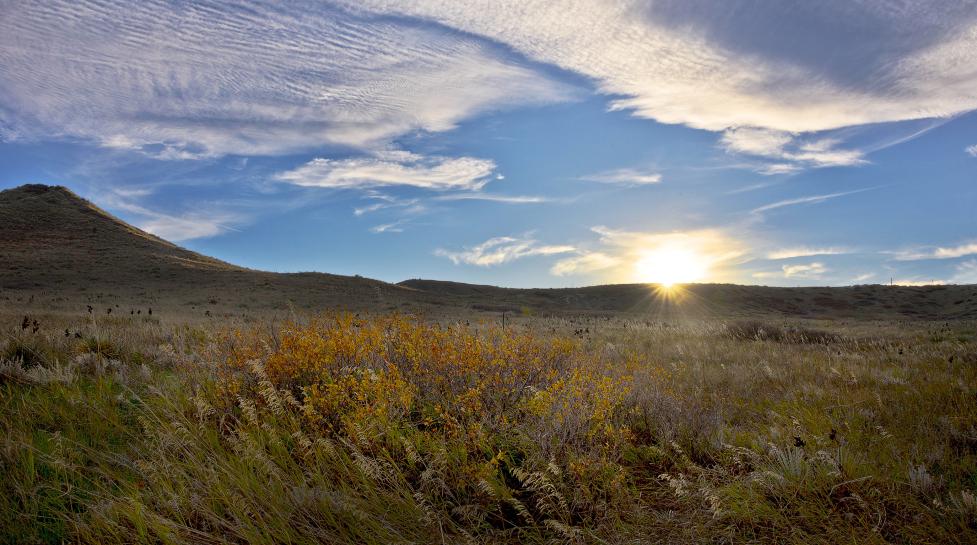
x=59 y=250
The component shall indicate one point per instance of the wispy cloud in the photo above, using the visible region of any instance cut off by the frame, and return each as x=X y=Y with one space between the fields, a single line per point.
x=805 y=251
x=191 y=81
x=756 y=141
x=739 y=63
x=808 y=270
x=773 y=169
x=971 y=150
x=173 y=227
x=587 y=262
x=788 y=153
x=862 y=278
x=393 y=227
x=393 y=169
x=966 y=273
x=187 y=227
x=614 y=256
x=493 y=197
x=499 y=250
x=939 y=252
x=384 y=201
x=813 y=199
x=626 y=176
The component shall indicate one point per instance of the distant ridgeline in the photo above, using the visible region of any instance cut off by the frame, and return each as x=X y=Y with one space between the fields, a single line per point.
x=56 y=246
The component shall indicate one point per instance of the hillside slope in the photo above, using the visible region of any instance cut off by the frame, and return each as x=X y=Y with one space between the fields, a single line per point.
x=56 y=245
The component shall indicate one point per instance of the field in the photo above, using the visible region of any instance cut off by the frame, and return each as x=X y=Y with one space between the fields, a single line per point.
x=386 y=428
x=150 y=394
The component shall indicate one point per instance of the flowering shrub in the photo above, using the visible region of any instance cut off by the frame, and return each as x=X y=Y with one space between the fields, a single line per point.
x=500 y=406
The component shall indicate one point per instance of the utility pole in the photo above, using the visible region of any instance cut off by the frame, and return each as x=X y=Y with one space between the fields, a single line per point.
x=503 y=320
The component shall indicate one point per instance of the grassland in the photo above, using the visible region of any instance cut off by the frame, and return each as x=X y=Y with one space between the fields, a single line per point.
x=149 y=394
x=338 y=428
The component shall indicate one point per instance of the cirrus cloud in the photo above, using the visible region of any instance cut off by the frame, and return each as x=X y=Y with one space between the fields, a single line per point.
x=805 y=251
x=203 y=79
x=626 y=176
x=781 y=66
x=939 y=252
x=499 y=250
x=788 y=153
x=393 y=169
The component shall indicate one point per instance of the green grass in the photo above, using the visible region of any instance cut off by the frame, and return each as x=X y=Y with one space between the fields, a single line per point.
x=641 y=433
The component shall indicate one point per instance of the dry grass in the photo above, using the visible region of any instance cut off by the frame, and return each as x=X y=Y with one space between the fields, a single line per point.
x=387 y=429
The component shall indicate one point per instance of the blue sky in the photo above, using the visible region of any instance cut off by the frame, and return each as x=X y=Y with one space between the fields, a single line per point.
x=523 y=143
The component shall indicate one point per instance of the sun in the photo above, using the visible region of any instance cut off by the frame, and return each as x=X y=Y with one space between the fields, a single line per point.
x=669 y=265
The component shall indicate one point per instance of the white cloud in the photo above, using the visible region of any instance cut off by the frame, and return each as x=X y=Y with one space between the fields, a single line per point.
x=966 y=273
x=499 y=250
x=393 y=227
x=189 y=81
x=782 y=66
x=628 y=176
x=825 y=153
x=813 y=199
x=385 y=201
x=587 y=262
x=810 y=270
x=369 y=208
x=756 y=141
x=971 y=150
x=175 y=228
x=950 y=252
x=620 y=256
x=862 y=278
x=510 y=199
x=393 y=169
x=789 y=153
x=179 y=228
x=805 y=251
x=773 y=169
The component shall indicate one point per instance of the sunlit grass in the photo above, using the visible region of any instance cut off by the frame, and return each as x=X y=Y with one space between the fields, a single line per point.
x=387 y=429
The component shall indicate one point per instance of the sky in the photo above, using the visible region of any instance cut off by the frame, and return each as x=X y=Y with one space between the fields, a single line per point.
x=520 y=143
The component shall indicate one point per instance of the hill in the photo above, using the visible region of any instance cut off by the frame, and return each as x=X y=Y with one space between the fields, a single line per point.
x=62 y=248
x=727 y=300
x=59 y=250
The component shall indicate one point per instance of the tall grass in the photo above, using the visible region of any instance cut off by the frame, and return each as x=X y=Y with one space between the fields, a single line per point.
x=394 y=430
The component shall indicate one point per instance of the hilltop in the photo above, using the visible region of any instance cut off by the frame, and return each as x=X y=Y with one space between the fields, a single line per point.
x=60 y=250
